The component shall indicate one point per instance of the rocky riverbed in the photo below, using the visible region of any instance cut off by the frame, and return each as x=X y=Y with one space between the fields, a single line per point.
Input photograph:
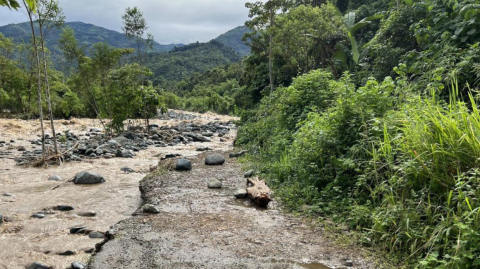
x=39 y=207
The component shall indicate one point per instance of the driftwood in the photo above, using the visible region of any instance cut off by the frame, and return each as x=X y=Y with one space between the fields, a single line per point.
x=52 y=157
x=258 y=191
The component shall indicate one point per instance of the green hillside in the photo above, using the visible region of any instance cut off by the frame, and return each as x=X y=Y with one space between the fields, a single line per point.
x=183 y=62
x=86 y=34
x=233 y=39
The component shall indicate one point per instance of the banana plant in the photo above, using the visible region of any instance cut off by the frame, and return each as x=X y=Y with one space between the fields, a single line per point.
x=353 y=27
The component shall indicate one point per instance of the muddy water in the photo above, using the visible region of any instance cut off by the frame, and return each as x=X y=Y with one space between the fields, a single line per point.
x=24 y=240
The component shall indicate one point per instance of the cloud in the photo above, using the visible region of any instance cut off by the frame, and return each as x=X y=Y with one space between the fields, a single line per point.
x=170 y=21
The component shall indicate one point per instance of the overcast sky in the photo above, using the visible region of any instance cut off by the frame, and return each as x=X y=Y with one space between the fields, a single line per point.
x=170 y=21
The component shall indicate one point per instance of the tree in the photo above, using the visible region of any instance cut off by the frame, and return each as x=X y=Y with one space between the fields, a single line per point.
x=49 y=16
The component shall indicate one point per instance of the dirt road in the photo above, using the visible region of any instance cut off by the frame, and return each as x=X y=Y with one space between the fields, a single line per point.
x=200 y=227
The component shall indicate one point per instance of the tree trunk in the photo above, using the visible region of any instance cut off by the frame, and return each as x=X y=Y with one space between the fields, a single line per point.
x=258 y=192
x=47 y=87
x=270 y=51
x=39 y=79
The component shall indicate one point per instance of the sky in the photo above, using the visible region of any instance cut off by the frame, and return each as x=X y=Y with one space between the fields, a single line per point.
x=170 y=21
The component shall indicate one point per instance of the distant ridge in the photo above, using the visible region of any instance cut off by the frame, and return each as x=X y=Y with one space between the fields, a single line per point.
x=233 y=39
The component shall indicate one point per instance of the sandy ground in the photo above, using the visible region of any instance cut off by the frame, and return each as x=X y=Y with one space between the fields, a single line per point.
x=205 y=228
x=24 y=240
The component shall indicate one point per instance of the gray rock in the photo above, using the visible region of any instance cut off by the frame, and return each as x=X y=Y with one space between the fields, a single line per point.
x=22 y=148
x=1 y=218
x=203 y=149
x=88 y=178
x=348 y=263
x=64 y=208
x=215 y=159
x=127 y=170
x=67 y=253
x=208 y=134
x=214 y=183
x=78 y=265
x=125 y=153
x=96 y=235
x=89 y=152
x=249 y=173
x=55 y=178
x=78 y=229
x=38 y=216
x=37 y=265
x=241 y=193
x=183 y=165
x=88 y=214
x=8 y=195
x=113 y=143
x=148 y=208
x=237 y=154
x=95 y=130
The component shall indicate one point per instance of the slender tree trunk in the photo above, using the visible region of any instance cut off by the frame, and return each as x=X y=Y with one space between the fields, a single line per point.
x=270 y=51
x=39 y=79
x=47 y=87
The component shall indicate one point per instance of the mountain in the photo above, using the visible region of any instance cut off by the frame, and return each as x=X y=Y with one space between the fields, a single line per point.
x=233 y=39
x=183 y=62
x=86 y=34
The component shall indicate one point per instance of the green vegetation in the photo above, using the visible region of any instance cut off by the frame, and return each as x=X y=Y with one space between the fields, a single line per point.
x=234 y=39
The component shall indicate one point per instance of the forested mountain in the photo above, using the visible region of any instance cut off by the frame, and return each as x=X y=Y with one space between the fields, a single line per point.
x=233 y=39
x=86 y=34
x=182 y=62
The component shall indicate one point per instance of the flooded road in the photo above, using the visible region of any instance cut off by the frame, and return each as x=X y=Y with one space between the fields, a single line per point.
x=25 y=191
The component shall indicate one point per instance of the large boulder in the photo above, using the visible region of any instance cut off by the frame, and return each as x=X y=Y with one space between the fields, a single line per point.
x=183 y=165
x=215 y=159
x=88 y=178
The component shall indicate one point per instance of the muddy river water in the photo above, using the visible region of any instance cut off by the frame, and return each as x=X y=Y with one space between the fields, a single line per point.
x=25 y=191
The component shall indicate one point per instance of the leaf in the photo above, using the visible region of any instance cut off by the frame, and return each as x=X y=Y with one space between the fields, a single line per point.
x=408 y=2
x=472 y=32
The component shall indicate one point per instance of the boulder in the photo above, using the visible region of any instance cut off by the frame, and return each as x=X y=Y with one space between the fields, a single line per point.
x=148 y=208
x=37 y=265
x=183 y=165
x=215 y=159
x=55 y=178
x=88 y=178
x=241 y=193
x=78 y=265
x=249 y=173
x=214 y=183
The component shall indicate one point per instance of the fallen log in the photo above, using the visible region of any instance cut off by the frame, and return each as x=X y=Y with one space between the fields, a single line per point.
x=258 y=191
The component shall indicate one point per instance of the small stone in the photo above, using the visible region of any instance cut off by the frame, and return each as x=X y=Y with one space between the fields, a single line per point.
x=90 y=250
x=248 y=174
x=214 y=183
x=183 y=165
x=37 y=265
x=241 y=193
x=8 y=195
x=1 y=218
x=38 y=216
x=95 y=130
x=113 y=143
x=55 y=178
x=148 y=208
x=348 y=263
x=67 y=253
x=77 y=229
x=127 y=170
x=64 y=208
x=95 y=235
x=78 y=265
x=88 y=178
x=237 y=154
x=87 y=214
x=215 y=159
x=22 y=148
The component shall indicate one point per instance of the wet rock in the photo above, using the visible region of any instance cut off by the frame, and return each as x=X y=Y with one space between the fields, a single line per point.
x=208 y=134
x=128 y=135
x=241 y=193
x=55 y=178
x=237 y=154
x=153 y=126
x=348 y=263
x=78 y=229
x=96 y=235
x=21 y=148
x=1 y=218
x=148 y=208
x=214 y=183
x=64 y=208
x=214 y=159
x=127 y=170
x=95 y=130
x=203 y=149
x=37 y=265
x=38 y=216
x=89 y=152
x=183 y=165
x=249 y=173
x=78 y=265
x=8 y=195
x=125 y=153
x=88 y=214
x=198 y=138
x=67 y=253
x=90 y=250
x=88 y=178
x=113 y=143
